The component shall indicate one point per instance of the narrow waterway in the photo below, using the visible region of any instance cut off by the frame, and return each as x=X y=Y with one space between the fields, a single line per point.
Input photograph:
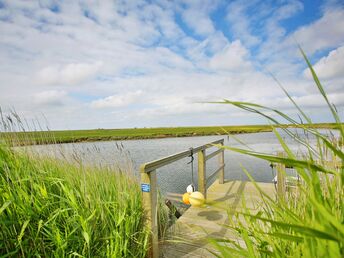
x=128 y=155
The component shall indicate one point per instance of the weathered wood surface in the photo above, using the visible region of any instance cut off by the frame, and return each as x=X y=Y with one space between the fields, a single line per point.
x=199 y=224
x=149 y=199
x=202 y=172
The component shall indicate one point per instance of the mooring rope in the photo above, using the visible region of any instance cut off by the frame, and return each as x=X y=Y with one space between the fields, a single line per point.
x=191 y=162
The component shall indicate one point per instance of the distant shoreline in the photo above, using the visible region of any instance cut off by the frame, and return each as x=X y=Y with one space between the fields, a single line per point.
x=77 y=136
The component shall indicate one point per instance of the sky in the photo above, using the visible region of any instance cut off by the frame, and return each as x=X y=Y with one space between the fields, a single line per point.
x=124 y=64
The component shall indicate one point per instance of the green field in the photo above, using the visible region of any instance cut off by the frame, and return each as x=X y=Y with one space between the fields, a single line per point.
x=67 y=136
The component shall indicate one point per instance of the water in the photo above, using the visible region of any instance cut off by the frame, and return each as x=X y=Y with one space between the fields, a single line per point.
x=175 y=177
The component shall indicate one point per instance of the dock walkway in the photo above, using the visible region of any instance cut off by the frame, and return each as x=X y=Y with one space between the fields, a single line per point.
x=198 y=224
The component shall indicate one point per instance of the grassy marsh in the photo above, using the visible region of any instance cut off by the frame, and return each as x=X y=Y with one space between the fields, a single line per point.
x=67 y=136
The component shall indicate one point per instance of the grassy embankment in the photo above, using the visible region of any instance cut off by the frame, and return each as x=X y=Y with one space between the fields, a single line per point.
x=309 y=220
x=54 y=208
x=51 y=208
x=66 y=136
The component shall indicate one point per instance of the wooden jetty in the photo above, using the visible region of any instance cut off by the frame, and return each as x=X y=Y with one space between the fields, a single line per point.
x=198 y=224
x=192 y=231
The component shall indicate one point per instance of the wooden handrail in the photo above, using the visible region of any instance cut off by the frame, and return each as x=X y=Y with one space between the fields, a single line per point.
x=211 y=155
x=153 y=165
x=215 y=173
x=149 y=183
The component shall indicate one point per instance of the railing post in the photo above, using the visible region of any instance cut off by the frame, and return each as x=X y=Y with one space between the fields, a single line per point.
x=202 y=173
x=149 y=196
x=281 y=189
x=222 y=163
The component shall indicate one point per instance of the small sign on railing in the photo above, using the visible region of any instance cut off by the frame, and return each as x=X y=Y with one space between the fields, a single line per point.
x=145 y=188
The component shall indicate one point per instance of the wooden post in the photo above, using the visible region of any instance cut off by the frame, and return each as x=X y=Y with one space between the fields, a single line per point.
x=202 y=173
x=281 y=189
x=149 y=196
x=222 y=163
x=149 y=187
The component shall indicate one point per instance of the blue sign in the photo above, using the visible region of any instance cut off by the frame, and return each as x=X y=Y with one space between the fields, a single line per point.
x=145 y=188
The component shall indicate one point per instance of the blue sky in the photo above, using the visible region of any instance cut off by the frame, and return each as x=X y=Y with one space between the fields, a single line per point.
x=117 y=64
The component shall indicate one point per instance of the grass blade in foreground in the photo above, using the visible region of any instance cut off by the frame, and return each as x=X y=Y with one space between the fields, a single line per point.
x=310 y=222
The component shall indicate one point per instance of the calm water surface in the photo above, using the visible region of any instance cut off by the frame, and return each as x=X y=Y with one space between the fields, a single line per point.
x=130 y=154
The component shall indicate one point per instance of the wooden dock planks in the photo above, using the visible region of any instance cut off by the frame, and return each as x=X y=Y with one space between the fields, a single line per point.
x=198 y=224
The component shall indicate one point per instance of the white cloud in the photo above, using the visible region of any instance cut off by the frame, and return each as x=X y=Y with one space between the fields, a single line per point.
x=231 y=58
x=288 y=10
x=240 y=23
x=264 y=24
x=329 y=67
x=135 y=58
x=199 y=51
x=273 y=29
x=170 y=59
x=327 y=32
x=198 y=21
x=315 y=100
x=277 y=47
x=197 y=16
x=119 y=100
x=50 y=98
x=72 y=73
x=183 y=108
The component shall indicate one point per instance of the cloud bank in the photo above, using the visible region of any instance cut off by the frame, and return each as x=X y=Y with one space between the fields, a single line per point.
x=155 y=63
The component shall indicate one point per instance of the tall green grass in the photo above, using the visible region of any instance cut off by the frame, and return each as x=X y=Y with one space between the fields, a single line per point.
x=51 y=208
x=309 y=221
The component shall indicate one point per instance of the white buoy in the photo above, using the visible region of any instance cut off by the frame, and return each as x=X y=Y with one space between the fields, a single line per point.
x=274 y=180
x=190 y=189
x=196 y=199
